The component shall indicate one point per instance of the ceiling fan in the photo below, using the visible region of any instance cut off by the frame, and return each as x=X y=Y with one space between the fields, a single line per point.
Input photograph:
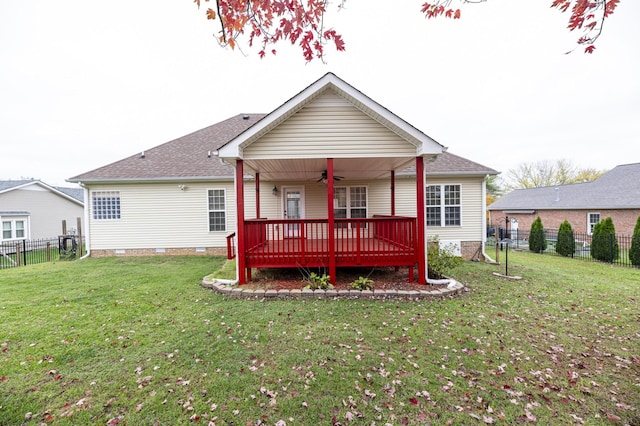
x=323 y=177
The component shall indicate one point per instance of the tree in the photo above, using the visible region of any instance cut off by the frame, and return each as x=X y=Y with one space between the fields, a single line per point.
x=547 y=173
x=634 y=250
x=566 y=244
x=301 y=22
x=537 y=239
x=604 y=243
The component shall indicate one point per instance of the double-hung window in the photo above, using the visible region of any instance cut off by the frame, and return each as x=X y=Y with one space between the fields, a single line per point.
x=14 y=229
x=105 y=205
x=350 y=202
x=443 y=205
x=592 y=219
x=217 y=210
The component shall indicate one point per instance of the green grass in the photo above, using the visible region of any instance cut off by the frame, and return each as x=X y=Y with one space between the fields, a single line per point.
x=138 y=341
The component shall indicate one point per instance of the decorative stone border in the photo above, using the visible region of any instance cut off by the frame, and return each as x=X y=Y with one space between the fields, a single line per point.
x=452 y=289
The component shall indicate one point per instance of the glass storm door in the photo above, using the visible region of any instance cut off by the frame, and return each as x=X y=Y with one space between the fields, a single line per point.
x=293 y=209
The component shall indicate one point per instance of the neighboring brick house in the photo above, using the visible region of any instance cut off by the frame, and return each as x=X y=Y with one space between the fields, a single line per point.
x=615 y=194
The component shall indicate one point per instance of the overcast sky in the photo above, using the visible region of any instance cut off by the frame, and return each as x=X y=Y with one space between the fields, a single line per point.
x=84 y=84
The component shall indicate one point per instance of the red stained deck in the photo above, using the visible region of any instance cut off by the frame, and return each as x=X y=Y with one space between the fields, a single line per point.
x=290 y=243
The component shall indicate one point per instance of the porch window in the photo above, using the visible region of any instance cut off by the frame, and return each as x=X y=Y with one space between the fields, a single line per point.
x=217 y=210
x=443 y=204
x=105 y=205
x=592 y=219
x=350 y=202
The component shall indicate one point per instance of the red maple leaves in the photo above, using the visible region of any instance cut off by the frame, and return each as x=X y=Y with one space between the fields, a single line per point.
x=268 y=22
x=300 y=22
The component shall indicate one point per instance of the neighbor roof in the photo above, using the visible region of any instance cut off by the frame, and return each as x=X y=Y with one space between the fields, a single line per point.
x=616 y=189
x=74 y=194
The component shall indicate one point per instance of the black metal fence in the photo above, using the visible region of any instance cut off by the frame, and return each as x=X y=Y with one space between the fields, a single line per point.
x=29 y=252
x=610 y=248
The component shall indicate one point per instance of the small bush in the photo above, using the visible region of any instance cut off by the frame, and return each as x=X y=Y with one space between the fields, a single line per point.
x=318 y=282
x=362 y=283
x=604 y=243
x=537 y=239
x=440 y=260
x=634 y=251
x=566 y=244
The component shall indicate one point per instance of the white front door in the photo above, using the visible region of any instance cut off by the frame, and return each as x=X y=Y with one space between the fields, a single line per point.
x=293 y=208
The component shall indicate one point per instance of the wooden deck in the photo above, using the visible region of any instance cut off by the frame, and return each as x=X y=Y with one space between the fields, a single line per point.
x=295 y=243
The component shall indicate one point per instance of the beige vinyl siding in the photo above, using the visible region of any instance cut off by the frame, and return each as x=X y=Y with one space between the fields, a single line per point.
x=47 y=210
x=471 y=207
x=329 y=124
x=160 y=215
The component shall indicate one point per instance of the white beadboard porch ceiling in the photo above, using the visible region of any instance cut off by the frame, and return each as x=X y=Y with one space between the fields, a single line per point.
x=311 y=169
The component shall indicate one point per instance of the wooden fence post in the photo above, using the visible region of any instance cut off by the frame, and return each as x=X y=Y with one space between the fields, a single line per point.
x=79 y=221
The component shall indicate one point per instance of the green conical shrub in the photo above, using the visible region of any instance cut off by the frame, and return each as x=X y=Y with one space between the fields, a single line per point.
x=634 y=251
x=537 y=239
x=604 y=243
x=566 y=244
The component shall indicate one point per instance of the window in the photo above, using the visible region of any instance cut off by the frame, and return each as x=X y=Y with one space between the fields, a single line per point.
x=14 y=229
x=105 y=205
x=443 y=204
x=592 y=219
x=217 y=210
x=350 y=202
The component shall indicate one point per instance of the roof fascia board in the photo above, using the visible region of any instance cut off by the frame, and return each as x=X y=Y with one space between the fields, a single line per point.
x=153 y=180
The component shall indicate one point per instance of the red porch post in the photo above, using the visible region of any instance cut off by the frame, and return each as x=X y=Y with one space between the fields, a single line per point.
x=240 y=257
x=393 y=192
x=420 y=210
x=331 y=222
x=257 y=195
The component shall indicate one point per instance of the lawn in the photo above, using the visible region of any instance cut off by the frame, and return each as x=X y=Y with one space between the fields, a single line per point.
x=138 y=341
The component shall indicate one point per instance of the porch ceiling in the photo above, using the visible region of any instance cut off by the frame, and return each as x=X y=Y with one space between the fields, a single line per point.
x=311 y=168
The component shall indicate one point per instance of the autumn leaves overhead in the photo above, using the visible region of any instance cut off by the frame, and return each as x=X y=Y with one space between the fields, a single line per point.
x=301 y=22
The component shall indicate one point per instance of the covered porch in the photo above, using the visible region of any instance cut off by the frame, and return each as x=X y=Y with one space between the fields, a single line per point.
x=328 y=133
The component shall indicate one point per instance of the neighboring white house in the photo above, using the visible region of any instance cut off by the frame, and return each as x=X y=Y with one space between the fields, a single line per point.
x=31 y=209
x=180 y=197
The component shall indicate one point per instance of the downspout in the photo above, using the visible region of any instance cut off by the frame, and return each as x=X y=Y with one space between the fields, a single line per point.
x=484 y=221
x=87 y=228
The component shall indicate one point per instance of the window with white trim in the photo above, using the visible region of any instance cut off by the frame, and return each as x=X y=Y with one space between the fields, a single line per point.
x=14 y=229
x=350 y=202
x=105 y=205
x=217 y=210
x=443 y=205
x=592 y=219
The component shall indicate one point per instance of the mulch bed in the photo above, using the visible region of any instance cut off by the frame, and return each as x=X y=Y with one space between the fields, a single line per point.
x=291 y=279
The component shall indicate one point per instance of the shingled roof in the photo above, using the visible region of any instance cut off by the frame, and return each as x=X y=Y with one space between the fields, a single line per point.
x=616 y=189
x=193 y=157
x=189 y=157
x=77 y=194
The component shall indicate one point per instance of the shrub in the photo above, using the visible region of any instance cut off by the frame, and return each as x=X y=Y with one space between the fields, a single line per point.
x=634 y=251
x=604 y=243
x=537 y=239
x=440 y=260
x=566 y=244
x=362 y=283
x=318 y=282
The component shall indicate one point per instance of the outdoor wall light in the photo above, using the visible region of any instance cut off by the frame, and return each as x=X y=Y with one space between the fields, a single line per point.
x=274 y=191
x=181 y=187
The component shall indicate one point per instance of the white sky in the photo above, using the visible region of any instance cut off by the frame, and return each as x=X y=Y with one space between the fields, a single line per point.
x=83 y=84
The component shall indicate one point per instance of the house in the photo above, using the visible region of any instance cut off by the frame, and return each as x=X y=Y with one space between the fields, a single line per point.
x=615 y=194
x=31 y=209
x=328 y=179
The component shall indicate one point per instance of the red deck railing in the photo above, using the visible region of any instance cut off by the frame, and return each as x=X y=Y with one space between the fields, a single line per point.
x=376 y=241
